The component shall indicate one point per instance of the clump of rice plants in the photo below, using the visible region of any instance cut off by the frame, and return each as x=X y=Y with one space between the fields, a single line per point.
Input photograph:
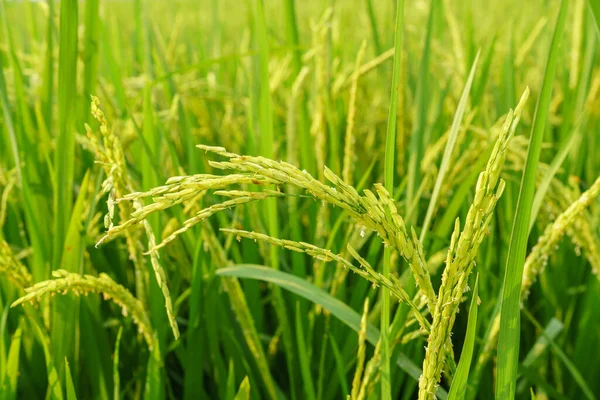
x=295 y=200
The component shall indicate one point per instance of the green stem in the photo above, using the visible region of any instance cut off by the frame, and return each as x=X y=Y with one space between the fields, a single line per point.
x=390 y=147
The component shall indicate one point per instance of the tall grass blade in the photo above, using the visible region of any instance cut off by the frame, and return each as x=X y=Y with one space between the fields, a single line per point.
x=595 y=9
x=193 y=380
x=303 y=355
x=418 y=138
x=318 y=296
x=91 y=52
x=55 y=391
x=459 y=382
x=269 y=209
x=8 y=385
x=154 y=388
x=64 y=163
x=544 y=185
x=243 y=392
x=571 y=368
x=71 y=395
x=390 y=149
x=450 y=144
x=509 y=336
x=64 y=157
x=116 y=374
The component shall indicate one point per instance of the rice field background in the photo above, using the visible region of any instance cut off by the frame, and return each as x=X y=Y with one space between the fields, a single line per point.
x=279 y=199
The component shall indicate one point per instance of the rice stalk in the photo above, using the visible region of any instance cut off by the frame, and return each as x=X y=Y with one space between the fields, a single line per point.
x=117 y=183
x=548 y=242
x=8 y=187
x=367 y=272
x=461 y=255
x=349 y=152
x=66 y=282
x=360 y=356
x=371 y=371
x=369 y=211
x=12 y=268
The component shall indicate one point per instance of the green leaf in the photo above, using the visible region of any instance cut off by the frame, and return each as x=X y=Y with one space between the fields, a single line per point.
x=595 y=9
x=90 y=52
x=459 y=383
x=318 y=296
x=54 y=386
x=589 y=394
x=69 y=382
x=418 y=141
x=65 y=309
x=269 y=206
x=116 y=375
x=508 y=340
x=154 y=388
x=389 y=169
x=450 y=144
x=303 y=354
x=193 y=385
x=229 y=394
x=243 y=392
x=8 y=388
x=544 y=185
x=64 y=156
x=339 y=365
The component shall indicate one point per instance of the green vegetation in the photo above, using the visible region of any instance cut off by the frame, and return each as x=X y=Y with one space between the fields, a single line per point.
x=292 y=199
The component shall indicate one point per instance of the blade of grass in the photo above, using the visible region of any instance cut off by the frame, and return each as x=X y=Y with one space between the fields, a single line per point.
x=479 y=88
x=450 y=144
x=595 y=9
x=563 y=358
x=64 y=331
x=8 y=386
x=318 y=296
x=114 y=72
x=55 y=391
x=242 y=312
x=230 y=387
x=373 y=23
x=90 y=53
x=32 y=207
x=69 y=382
x=417 y=137
x=551 y=331
x=154 y=388
x=64 y=161
x=390 y=149
x=243 y=392
x=307 y=157
x=116 y=375
x=509 y=336
x=544 y=185
x=309 y=389
x=459 y=382
x=339 y=365
x=269 y=209
x=48 y=83
x=97 y=361
x=64 y=157
x=193 y=379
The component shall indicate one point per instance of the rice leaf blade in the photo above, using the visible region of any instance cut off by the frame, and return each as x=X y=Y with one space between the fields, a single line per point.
x=69 y=382
x=389 y=170
x=318 y=296
x=459 y=382
x=508 y=340
x=449 y=149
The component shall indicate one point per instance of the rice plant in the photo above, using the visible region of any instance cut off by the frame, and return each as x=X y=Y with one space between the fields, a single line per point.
x=293 y=200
